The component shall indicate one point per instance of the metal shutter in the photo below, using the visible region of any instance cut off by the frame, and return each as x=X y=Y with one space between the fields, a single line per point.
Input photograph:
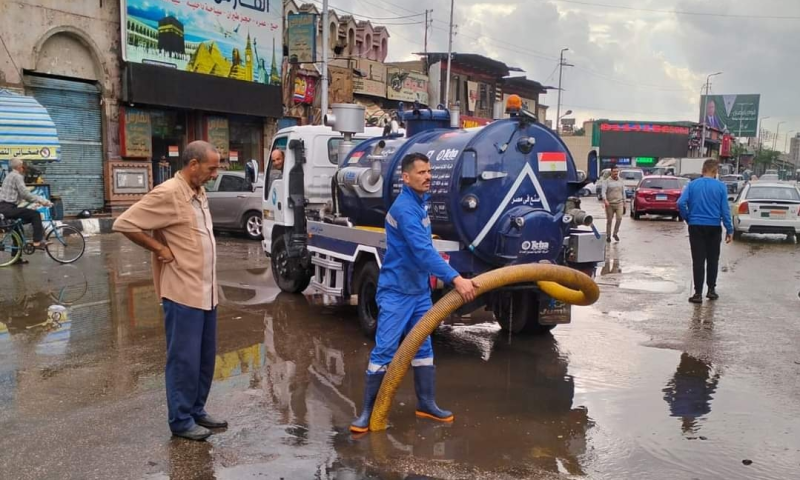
x=75 y=109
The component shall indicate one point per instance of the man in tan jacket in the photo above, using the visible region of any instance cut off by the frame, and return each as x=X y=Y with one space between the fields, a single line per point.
x=614 y=200
x=184 y=272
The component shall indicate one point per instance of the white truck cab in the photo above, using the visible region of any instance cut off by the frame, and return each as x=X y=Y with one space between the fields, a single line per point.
x=321 y=151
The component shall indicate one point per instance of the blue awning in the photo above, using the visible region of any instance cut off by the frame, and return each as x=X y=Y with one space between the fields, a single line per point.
x=26 y=130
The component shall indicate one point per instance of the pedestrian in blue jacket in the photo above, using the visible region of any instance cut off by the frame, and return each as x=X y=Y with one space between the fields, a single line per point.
x=404 y=294
x=704 y=205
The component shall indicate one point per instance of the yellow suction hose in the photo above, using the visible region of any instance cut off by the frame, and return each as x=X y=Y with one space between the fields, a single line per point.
x=562 y=283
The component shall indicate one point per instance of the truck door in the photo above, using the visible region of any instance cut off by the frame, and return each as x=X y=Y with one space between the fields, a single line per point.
x=274 y=204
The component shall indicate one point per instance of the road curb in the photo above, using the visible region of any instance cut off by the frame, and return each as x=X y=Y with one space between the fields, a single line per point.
x=91 y=226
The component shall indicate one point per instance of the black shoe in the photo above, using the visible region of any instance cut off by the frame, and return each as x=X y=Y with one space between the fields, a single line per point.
x=210 y=422
x=696 y=298
x=616 y=237
x=712 y=294
x=196 y=433
x=608 y=239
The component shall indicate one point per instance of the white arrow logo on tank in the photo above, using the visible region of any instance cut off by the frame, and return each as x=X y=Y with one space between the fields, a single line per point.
x=527 y=172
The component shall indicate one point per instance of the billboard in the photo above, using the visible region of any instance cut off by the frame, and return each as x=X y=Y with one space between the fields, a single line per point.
x=738 y=114
x=238 y=39
x=407 y=86
x=642 y=139
x=302 y=37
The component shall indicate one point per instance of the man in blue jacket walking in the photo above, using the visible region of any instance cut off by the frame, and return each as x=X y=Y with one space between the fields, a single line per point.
x=404 y=294
x=704 y=205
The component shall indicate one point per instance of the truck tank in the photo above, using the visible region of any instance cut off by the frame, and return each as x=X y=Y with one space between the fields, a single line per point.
x=502 y=190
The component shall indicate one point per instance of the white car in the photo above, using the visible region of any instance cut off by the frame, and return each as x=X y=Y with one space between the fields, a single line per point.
x=630 y=178
x=767 y=207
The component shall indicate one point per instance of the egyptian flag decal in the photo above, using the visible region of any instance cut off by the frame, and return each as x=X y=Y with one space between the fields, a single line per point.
x=552 y=162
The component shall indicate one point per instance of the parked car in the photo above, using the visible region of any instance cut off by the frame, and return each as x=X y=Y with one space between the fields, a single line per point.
x=657 y=195
x=234 y=205
x=764 y=207
x=769 y=177
x=734 y=183
x=630 y=178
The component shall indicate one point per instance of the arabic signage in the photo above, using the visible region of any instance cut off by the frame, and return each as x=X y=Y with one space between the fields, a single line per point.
x=369 y=87
x=239 y=39
x=136 y=136
x=217 y=134
x=373 y=81
x=26 y=129
x=302 y=37
x=738 y=114
x=407 y=86
x=634 y=139
x=470 y=122
x=304 y=89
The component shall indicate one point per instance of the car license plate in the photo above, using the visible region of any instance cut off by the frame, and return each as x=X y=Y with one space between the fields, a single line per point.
x=661 y=198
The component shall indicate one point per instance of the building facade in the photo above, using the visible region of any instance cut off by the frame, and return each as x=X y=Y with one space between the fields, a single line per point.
x=794 y=150
x=128 y=84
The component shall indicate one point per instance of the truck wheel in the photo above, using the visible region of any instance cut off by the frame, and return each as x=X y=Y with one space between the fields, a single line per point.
x=367 y=305
x=524 y=317
x=252 y=225
x=289 y=277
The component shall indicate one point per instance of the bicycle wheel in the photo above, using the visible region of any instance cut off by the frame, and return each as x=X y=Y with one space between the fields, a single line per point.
x=66 y=244
x=10 y=248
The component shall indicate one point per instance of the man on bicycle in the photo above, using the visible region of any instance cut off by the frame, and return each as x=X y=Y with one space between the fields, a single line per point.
x=14 y=190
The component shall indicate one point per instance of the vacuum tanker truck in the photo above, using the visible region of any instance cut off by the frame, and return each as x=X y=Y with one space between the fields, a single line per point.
x=502 y=194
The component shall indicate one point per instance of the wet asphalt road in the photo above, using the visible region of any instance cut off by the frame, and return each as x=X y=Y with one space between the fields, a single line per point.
x=640 y=385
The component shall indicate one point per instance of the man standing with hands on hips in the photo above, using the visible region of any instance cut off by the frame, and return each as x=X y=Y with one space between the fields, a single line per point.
x=704 y=205
x=404 y=292
x=184 y=270
x=614 y=200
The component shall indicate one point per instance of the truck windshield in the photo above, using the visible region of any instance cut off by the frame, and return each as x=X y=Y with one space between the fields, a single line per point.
x=630 y=175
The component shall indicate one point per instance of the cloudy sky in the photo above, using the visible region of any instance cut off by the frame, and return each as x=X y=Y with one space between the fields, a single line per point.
x=641 y=62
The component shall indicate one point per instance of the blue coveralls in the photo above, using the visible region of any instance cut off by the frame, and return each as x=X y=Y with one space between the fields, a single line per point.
x=404 y=293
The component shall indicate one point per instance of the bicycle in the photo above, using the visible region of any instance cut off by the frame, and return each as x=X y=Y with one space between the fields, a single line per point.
x=63 y=243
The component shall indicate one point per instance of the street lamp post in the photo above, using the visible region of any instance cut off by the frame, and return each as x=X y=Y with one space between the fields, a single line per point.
x=705 y=105
x=760 y=122
x=778 y=132
x=558 y=119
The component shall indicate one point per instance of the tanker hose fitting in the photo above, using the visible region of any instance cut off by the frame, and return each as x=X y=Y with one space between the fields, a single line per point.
x=562 y=283
x=581 y=218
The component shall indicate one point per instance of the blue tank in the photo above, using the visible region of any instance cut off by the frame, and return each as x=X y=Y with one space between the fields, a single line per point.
x=501 y=190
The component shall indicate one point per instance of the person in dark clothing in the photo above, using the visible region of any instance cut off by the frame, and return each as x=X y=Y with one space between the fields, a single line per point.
x=12 y=192
x=704 y=205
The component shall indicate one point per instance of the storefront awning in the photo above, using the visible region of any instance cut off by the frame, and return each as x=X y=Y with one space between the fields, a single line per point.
x=26 y=130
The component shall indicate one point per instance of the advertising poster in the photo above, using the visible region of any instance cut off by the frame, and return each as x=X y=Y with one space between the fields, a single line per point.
x=407 y=86
x=304 y=89
x=737 y=114
x=472 y=95
x=239 y=39
x=26 y=130
x=136 y=135
x=217 y=135
x=302 y=37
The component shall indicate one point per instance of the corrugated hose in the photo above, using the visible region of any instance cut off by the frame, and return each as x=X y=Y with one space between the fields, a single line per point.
x=562 y=283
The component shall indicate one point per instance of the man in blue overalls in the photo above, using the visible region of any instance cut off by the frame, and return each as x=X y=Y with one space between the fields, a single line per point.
x=404 y=294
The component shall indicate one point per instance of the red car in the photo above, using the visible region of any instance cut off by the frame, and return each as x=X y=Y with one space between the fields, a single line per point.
x=657 y=195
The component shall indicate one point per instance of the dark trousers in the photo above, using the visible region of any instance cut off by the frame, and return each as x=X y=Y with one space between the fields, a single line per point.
x=191 y=352
x=705 y=241
x=9 y=210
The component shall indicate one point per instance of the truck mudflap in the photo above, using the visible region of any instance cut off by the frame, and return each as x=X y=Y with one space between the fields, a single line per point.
x=553 y=312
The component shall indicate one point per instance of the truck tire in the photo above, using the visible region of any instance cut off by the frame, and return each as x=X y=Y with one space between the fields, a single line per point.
x=367 y=305
x=289 y=280
x=524 y=317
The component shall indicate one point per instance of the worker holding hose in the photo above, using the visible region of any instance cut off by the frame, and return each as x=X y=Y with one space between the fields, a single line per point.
x=404 y=294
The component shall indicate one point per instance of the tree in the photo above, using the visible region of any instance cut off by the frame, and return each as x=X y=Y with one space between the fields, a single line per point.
x=579 y=132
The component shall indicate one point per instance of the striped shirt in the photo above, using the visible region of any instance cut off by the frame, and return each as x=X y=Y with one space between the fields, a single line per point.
x=180 y=219
x=14 y=190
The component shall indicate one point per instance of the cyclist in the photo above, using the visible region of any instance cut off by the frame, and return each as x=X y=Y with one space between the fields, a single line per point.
x=14 y=190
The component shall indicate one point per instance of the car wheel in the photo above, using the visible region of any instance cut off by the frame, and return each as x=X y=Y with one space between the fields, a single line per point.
x=253 y=225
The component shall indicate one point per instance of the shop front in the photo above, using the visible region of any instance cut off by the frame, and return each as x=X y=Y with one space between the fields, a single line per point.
x=183 y=83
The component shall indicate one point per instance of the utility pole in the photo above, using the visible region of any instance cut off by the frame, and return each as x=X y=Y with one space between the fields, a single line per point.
x=446 y=101
x=777 y=133
x=427 y=25
x=705 y=105
x=324 y=75
x=561 y=65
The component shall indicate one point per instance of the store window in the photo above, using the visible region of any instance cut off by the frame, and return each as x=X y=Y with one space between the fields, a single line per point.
x=169 y=139
x=245 y=143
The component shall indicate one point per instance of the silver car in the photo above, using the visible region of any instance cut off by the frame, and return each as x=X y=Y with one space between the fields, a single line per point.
x=233 y=204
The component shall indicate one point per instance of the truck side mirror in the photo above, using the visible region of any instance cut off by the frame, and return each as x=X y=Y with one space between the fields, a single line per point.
x=251 y=174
